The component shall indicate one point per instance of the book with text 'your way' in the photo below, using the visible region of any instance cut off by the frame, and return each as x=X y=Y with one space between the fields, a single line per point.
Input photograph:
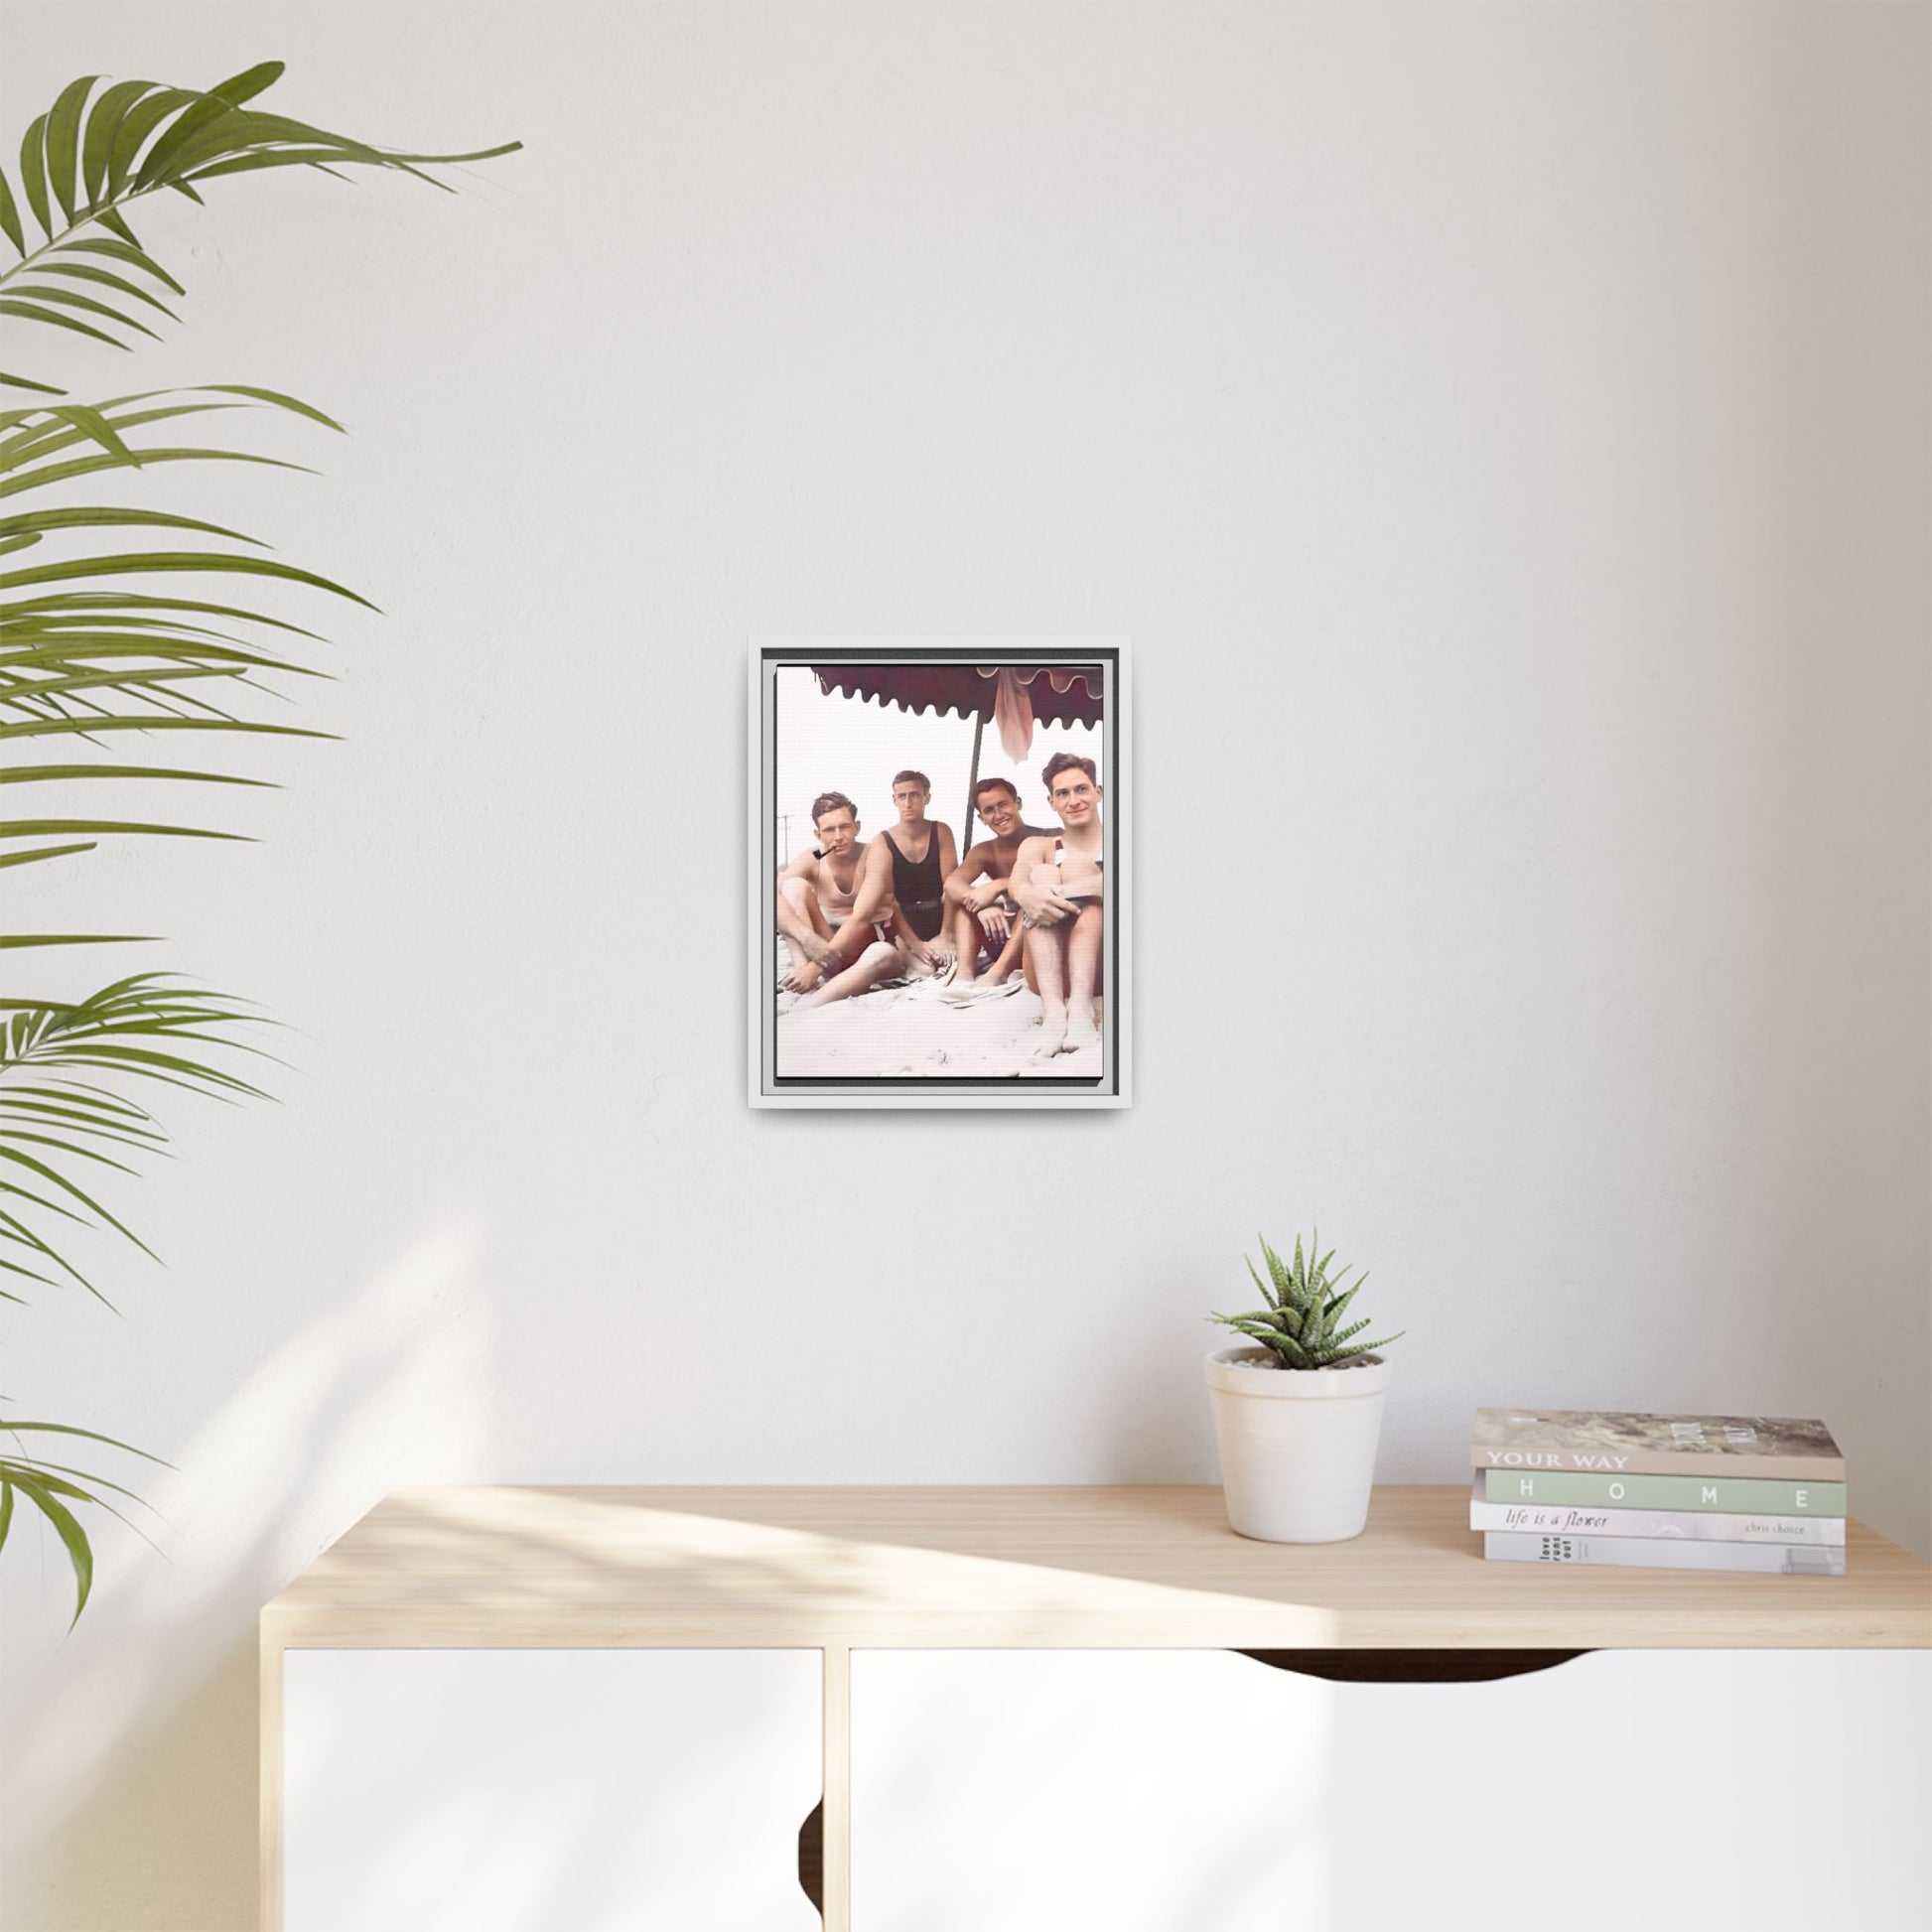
x=1623 y=1443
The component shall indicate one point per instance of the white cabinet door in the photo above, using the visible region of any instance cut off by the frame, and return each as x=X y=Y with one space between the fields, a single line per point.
x=1200 y=1791
x=545 y=1790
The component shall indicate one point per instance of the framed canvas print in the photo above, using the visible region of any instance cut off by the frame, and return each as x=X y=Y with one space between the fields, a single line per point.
x=940 y=874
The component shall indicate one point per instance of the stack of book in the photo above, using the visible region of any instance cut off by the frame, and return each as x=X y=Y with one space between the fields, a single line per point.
x=1663 y=1492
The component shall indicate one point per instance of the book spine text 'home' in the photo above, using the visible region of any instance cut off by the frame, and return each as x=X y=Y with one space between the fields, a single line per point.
x=1738 y=1495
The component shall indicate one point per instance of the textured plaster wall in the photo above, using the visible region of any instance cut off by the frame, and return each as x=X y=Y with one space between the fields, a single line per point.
x=1502 y=431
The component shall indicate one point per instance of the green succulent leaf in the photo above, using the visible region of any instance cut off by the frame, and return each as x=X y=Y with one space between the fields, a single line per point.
x=1275 y=1272
x=1258 y=1331
x=1268 y=1294
x=1303 y=1324
x=1371 y=1347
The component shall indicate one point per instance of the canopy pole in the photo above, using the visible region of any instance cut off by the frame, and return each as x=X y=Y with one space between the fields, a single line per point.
x=979 y=726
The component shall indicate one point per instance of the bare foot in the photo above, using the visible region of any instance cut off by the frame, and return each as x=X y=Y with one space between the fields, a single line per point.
x=1082 y=1031
x=957 y=990
x=804 y=978
x=1052 y=1034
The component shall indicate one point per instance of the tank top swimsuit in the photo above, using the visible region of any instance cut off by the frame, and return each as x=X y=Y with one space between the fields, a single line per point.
x=835 y=896
x=917 y=887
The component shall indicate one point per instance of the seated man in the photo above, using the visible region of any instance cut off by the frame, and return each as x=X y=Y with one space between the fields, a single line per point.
x=815 y=890
x=983 y=917
x=921 y=853
x=895 y=927
x=1057 y=884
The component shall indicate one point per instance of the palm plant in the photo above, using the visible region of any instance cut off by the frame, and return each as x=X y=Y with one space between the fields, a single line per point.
x=102 y=646
x=1302 y=1323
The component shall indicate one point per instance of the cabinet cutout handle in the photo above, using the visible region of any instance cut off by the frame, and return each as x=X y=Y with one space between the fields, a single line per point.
x=811 y=1856
x=1412 y=1666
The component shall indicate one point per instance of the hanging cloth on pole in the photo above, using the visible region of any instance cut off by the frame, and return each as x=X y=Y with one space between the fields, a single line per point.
x=1013 y=713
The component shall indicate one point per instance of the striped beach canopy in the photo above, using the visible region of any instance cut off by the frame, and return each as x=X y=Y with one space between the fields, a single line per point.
x=1056 y=695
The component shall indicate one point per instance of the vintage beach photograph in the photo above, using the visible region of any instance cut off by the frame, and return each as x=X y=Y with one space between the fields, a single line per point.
x=937 y=889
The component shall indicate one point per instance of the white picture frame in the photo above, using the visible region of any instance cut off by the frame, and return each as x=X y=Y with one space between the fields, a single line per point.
x=929 y=1078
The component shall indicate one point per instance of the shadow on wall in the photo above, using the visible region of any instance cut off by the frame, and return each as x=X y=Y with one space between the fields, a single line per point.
x=134 y=1808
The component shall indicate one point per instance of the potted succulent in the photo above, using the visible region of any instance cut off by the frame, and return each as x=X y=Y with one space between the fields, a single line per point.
x=1297 y=1415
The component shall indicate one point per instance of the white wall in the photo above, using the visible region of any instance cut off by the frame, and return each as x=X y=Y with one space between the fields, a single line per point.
x=1502 y=432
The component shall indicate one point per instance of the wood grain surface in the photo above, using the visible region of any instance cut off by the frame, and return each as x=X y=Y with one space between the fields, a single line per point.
x=850 y=1568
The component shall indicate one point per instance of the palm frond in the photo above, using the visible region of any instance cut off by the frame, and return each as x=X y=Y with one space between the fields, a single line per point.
x=143 y=1027
x=54 y=1488
x=97 y=645
x=95 y=154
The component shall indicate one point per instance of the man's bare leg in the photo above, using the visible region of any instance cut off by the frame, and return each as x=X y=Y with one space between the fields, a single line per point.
x=1011 y=956
x=807 y=932
x=966 y=938
x=1082 y=957
x=855 y=934
x=877 y=962
x=1045 y=945
x=933 y=967
x=1008 y=963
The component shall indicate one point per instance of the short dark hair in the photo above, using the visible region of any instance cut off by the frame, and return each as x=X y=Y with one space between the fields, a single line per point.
x=912 y=778
x=995 y=785
x=831 y=801
x=1067 y=761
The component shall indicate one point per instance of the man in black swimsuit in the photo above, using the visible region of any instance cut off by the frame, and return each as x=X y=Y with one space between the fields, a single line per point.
x=901 y=890
x=922 y=860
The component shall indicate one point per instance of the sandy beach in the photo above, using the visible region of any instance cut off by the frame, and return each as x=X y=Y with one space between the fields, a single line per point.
x=911 y=1029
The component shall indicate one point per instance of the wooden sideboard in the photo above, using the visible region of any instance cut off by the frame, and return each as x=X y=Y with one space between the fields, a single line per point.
x=838 y=1570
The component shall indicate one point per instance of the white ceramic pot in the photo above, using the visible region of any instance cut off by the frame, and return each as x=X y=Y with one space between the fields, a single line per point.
x=1297 y=1446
